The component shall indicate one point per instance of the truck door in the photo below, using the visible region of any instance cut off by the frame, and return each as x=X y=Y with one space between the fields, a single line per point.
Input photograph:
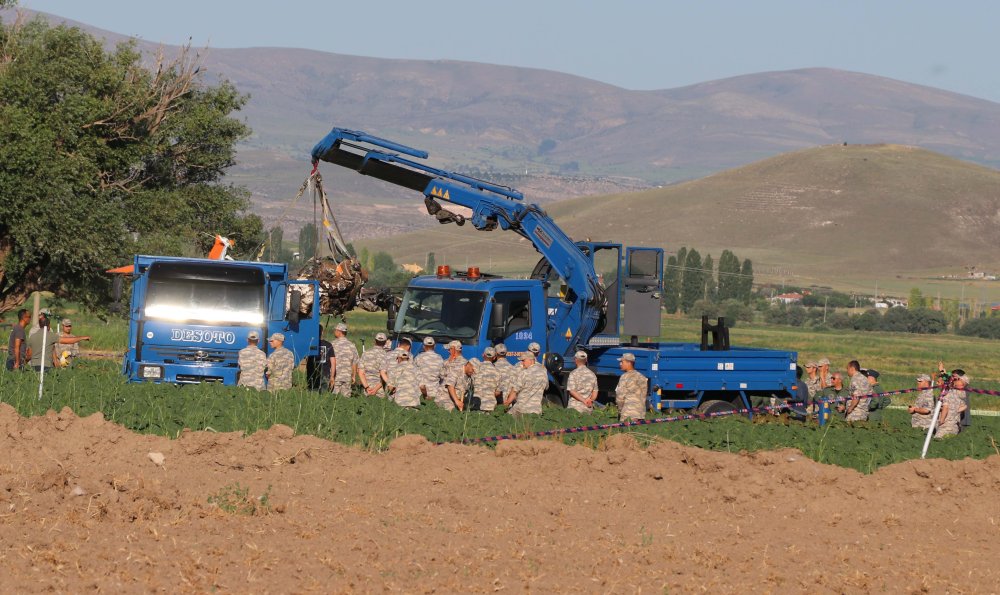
x=643 y=287
x=287 y=299
x=518 y=319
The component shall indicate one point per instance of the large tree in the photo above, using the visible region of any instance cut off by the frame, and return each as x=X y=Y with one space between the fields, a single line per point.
x=671 y=285
x=729 y=276
x=103 y=158
x=692 y=283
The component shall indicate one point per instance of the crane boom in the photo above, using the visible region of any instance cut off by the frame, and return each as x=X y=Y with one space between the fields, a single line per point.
x=492 y=206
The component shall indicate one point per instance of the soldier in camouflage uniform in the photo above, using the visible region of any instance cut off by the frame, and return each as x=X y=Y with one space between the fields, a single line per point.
x=582 y=385
x=506 y=369
x=630 y=394
x=812 y=382
x=345 y=362
x=404 y=381
x=370 y=367
x=923 y=408
x=252 y=362
x=951 y=413
x=486 y=382
x=392 y=360
x=458 y=382
x=430 y=365
x=528 y=388
x=453 y=368
x=280 y=364
x=857 y=407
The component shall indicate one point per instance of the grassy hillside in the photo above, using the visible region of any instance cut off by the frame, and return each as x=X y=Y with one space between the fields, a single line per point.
x=842 y=215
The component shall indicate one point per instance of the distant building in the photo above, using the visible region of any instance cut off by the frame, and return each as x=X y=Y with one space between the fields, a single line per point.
x=414 y=269
x=787 y=298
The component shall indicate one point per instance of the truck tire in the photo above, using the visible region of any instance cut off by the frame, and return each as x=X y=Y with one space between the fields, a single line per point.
x=716 y=406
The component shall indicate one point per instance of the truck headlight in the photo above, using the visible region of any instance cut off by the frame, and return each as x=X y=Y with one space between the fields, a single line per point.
x=151 y=372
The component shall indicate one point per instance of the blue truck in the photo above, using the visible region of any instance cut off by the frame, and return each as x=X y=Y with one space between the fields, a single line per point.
x=565 y=305
x=189 y=317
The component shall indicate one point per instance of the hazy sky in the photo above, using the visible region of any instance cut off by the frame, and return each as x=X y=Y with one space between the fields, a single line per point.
x=654 y=44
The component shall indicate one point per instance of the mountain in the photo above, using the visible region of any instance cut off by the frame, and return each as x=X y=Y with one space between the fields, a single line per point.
x=852 y=214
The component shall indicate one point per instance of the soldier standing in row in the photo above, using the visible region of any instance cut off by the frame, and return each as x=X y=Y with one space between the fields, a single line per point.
x=457 y=383
x=528 y=387
x=812 y=382
x=280 y=364
x=951 y=412
x=430 y=364
x=631 y=392
x=344 y=363
x=392 y=360
x=582 y=385
x=453 y=367
x=857 y=407
x=923 y=407
x=486 y=382
x=370 y=367
x=505 y=368
x=252 y=362
x=403 y=385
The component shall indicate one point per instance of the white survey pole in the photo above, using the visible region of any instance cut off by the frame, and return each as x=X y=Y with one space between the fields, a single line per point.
x=41 y=376
x=933 y=426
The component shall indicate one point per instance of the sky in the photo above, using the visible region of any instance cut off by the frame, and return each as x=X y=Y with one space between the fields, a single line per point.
x=653 y=44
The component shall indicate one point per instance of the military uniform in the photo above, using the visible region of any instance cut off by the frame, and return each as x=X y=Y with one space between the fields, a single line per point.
x=347 y=357
x=453 y=373
x=925 y=400
x=280 y=364
x=252 y=362
x=530 y=385
x=835 y=397
x=949 y=427
x=812 y=385
x=876 y=405
x=859 y=387
x=373 y=362
x=506 y=370
x=583 y=381
x=630 y=396
x=430 y=364
x=67 y=354
x=485 y=384
x=404 y=378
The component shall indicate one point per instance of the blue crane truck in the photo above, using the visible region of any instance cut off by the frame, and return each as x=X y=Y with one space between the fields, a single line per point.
x=565 y=305
x=189 y=317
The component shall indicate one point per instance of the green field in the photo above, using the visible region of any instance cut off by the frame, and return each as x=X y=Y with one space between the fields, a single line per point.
x=96 y=385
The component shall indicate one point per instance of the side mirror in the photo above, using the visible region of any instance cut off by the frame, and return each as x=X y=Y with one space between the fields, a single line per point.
x=294 y=303
x=497 y=328
x=391 y=312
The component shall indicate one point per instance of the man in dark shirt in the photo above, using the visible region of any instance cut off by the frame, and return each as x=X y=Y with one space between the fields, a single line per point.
x=318 y=368
x=17 y=346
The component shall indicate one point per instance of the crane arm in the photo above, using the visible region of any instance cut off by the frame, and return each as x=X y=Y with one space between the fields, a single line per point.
x=492 y=206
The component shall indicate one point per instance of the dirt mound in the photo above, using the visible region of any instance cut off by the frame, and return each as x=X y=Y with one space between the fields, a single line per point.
x=83 y=506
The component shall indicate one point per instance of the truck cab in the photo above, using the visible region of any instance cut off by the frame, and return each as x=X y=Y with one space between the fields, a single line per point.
x=190 y=317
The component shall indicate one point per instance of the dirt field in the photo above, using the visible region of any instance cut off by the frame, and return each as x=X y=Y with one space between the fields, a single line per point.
x=83 y=507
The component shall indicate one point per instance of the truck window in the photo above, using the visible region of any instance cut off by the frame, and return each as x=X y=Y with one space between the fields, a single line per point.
x=208 y=293
x=516 y=310
x=441 y=313
x=644 y=264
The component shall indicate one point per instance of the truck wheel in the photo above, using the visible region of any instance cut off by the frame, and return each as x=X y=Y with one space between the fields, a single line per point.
x=716 y=406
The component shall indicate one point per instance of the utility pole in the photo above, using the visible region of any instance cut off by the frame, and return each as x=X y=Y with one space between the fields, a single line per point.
x=825 y=301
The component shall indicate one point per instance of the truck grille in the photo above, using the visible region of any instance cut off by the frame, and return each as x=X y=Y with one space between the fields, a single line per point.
x=187 y=354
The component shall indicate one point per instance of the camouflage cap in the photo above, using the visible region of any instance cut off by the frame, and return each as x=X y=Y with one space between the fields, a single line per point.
x=534 y=347
x=406 y=340
x=527 y=355
x=253 y=335
x=67 y=322
x=629 y=357
x=489 y=352
x=380 y=337
x=811 y=365
x=429 y=341
x=341 y=326
x=401 y=354
x=924 y=378
x=454 y=344
x=580 y=355
x=824 y=362
x=501 y=349
x=276 y=337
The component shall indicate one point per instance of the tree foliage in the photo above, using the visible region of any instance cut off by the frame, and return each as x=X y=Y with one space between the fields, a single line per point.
x=104 y=158
x=745 y=281
x=307 y=240
x=671 y=285
x=729 y=280
x=692 y=284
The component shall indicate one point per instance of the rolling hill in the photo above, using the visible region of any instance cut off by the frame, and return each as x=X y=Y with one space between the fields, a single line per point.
x=849 y=214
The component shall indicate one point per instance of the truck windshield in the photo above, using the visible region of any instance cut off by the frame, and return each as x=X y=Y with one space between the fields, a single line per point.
x=443 y=313
x=209 y=293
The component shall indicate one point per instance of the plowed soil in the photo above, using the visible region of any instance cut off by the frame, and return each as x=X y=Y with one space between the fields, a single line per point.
x=84 y=507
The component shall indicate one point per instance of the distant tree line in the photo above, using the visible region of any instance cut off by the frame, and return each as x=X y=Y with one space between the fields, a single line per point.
x=700 y=287
x=898 y=320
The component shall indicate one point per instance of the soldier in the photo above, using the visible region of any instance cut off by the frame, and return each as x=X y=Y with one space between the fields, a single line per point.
x=430 y=365
x=923 y=408
x=959 y=381
x=280 y=364
x=252 y=362
x=582 y=385
x=392 y=360
x=68 y=346
x=457 y=384
x=837 y=393
x=825 y=377
x=812 y=382
x=453 y=367
x=631 y=392
x=857 y=407
x=344 y=363
x=403 y=385
x=951 y=412
x=506 y=369
x=528 y=387
x=370 y=367
x=486 y=382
